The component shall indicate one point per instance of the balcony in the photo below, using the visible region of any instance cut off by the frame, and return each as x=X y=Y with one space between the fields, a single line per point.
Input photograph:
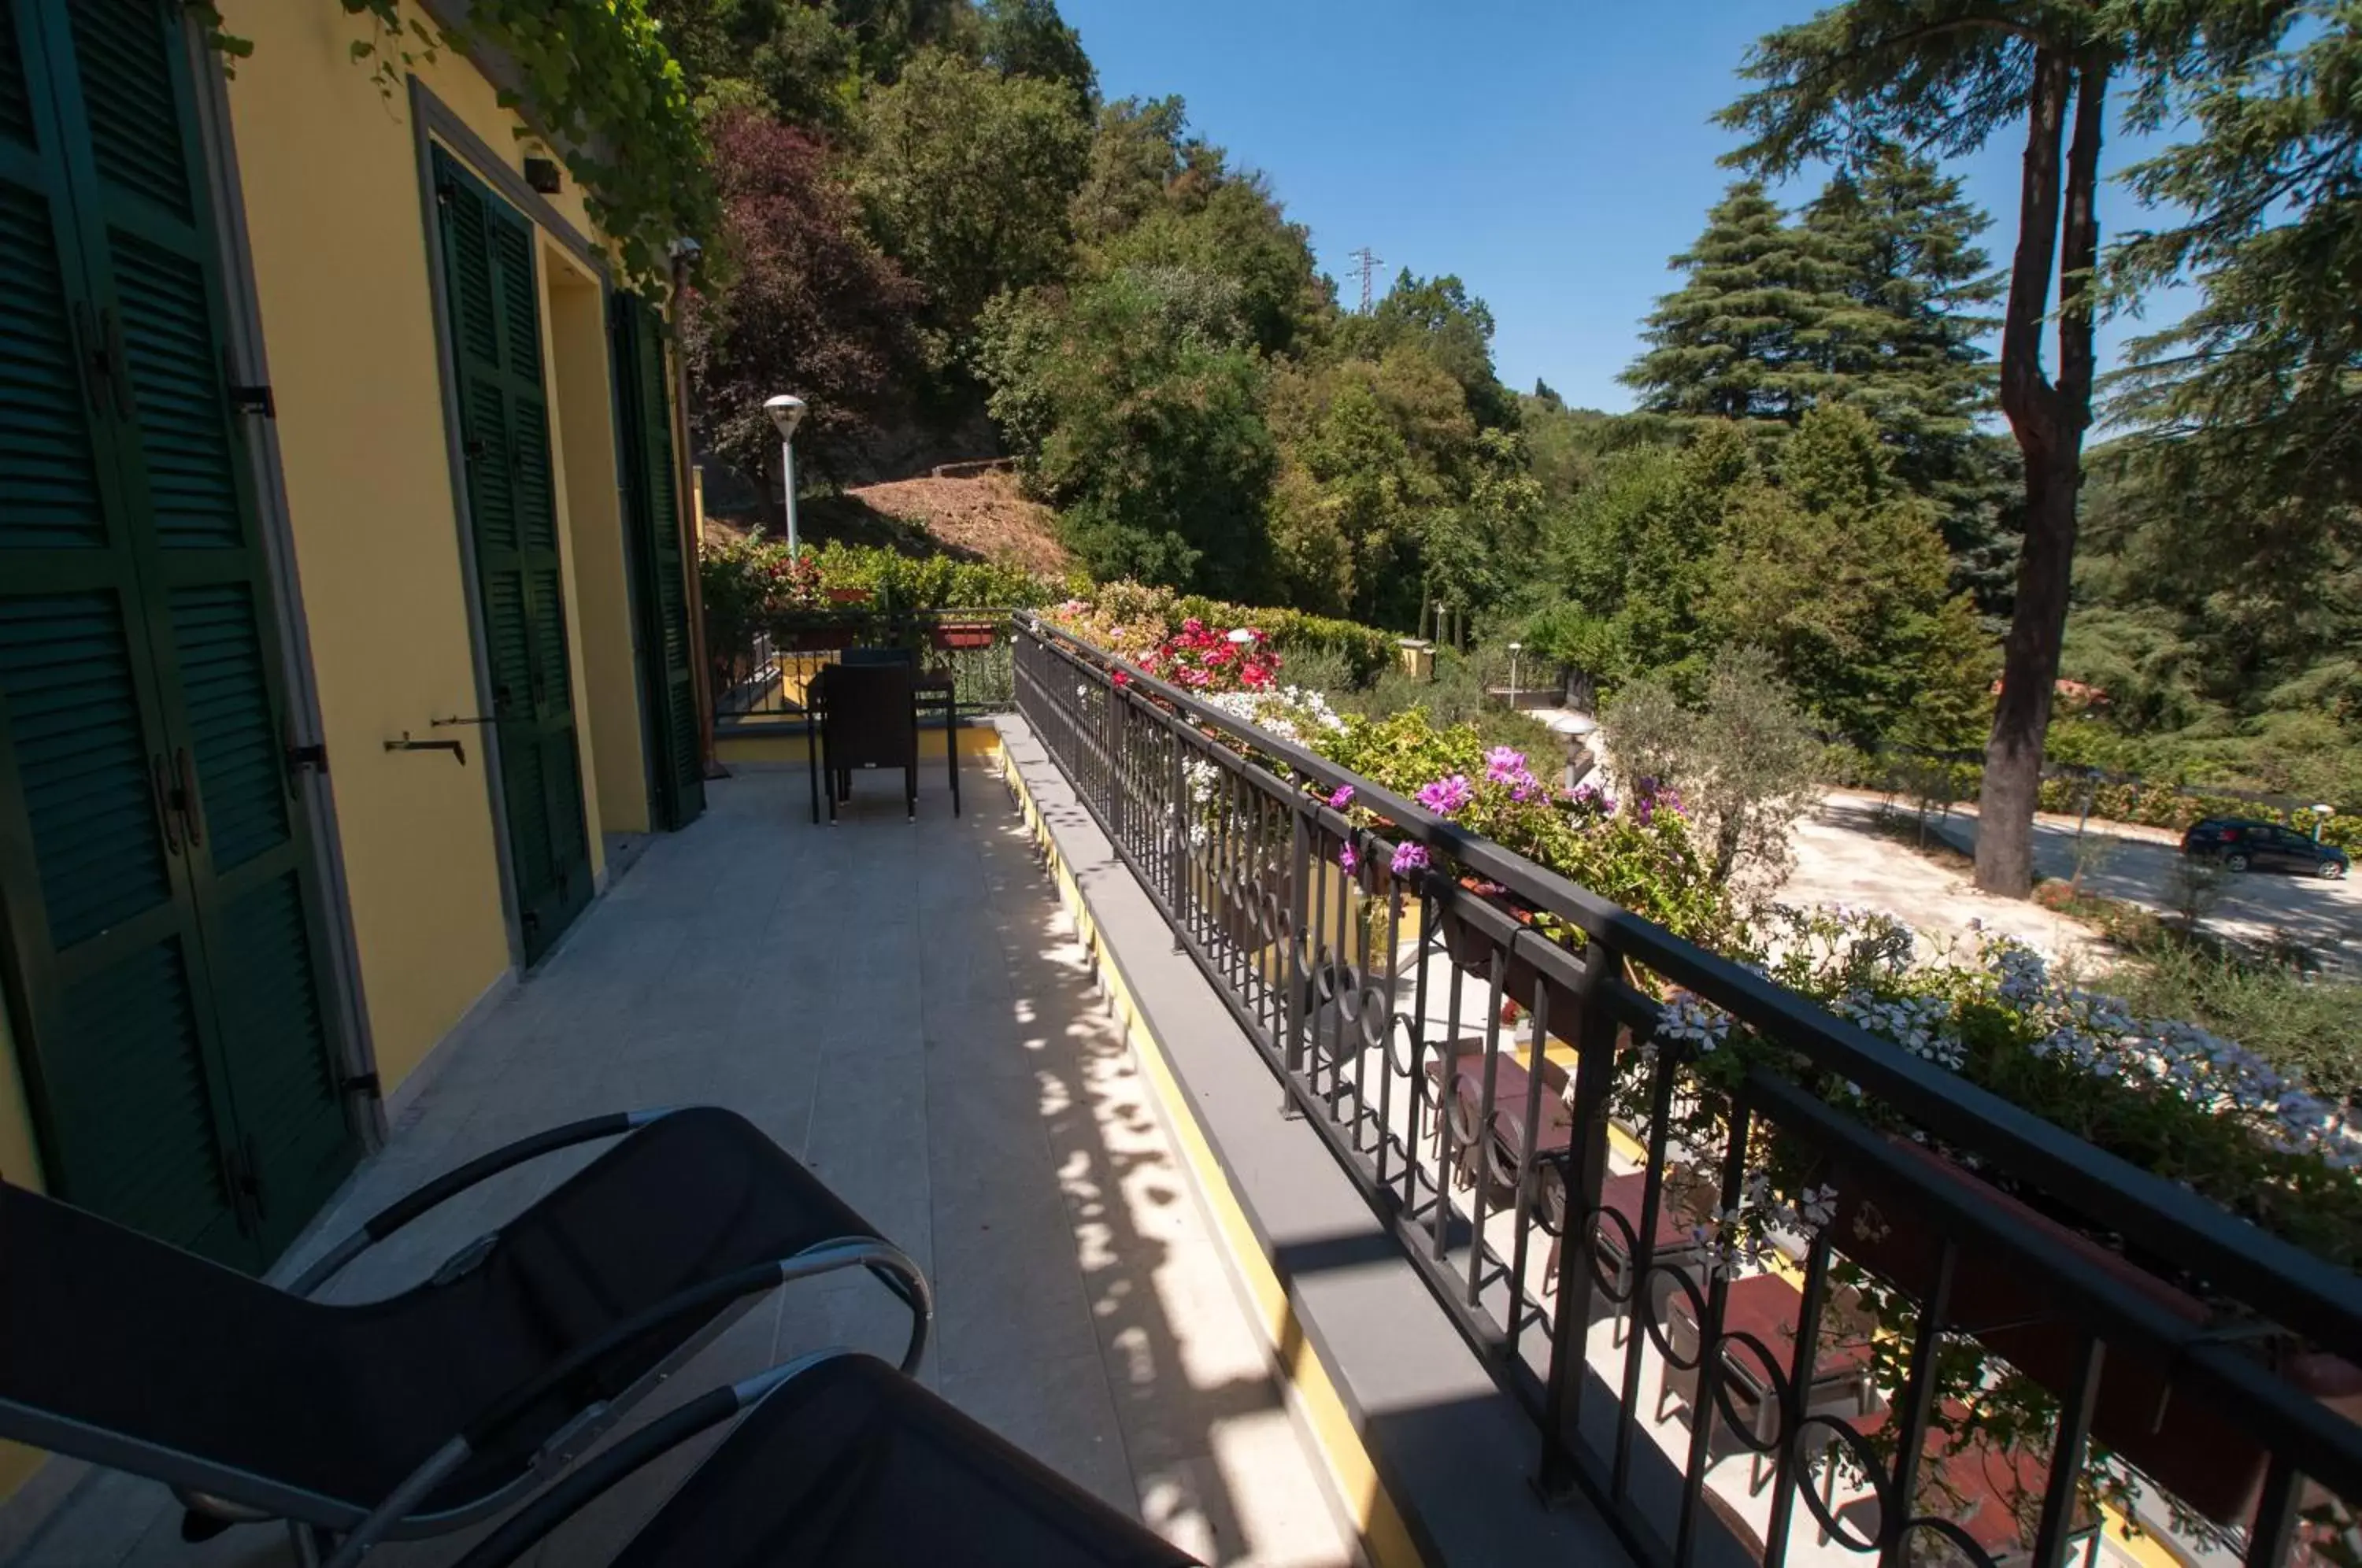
x=1247 y=1211
x=906 y=1008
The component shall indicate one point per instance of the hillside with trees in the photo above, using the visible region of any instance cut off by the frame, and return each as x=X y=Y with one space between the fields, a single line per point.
x=963 y=250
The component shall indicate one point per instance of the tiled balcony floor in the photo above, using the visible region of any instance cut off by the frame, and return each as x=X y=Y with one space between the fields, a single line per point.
x=905 y=1009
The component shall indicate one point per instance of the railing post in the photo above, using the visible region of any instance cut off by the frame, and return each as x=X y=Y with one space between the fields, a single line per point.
x=1595 y=1075
x=1180 y=841
x=1117 y=777
x=1298 y=997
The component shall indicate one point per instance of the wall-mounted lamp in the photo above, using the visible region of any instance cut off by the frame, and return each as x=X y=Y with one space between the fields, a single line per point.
x=544 y=175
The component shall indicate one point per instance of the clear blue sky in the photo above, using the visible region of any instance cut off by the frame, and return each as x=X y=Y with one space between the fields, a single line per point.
x=1553 y=154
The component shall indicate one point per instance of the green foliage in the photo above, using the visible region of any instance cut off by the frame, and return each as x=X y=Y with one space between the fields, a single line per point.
x=1842 y=578
x=750 y=582
x=1028 y=38
x=1144 y=414
x=1235 y=230
x=1642 y=856
x=1739 y=339
x=2223 y=637
x=964 y=175
x=1634 y=558
x=1459 y=694
x=1131 y=617
x=595 y=83
x=2253 y=402
x=1453 y=327
x=1744 y=761
x=2310 y=1028
x=1370 y=450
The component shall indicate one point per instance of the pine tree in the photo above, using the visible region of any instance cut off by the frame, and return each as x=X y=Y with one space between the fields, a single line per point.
x=1955 y=73
x=1741 y=338
x=1898 y=241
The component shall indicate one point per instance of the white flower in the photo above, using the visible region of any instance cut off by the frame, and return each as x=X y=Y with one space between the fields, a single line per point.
x=1701 y=1022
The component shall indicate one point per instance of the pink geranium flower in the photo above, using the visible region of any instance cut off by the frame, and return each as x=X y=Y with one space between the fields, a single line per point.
x=1445 y=796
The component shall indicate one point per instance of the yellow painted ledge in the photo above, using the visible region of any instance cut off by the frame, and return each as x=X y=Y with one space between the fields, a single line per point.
x=1384 y=1536
x=785 y=743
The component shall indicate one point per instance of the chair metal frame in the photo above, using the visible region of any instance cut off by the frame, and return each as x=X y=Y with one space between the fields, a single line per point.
x=231 y=1494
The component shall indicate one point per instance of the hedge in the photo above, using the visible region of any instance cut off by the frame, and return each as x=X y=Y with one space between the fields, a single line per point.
x=1366 y=651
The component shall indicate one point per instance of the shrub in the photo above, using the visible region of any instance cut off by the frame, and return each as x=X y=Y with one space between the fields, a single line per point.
x=1745 y=760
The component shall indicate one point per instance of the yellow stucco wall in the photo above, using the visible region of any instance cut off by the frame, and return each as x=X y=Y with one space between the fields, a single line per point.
x=337 y=231
x=581 y=396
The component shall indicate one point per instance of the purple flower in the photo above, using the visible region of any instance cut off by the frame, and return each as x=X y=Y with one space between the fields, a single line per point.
x=1409 y=858
x=1341 y=799
x=1504 y=765
x=1347 y=859
x=1590 y=797
x=1446 y=796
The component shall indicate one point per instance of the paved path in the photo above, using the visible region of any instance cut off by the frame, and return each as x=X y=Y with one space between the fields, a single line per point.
x=2260 y=906
x=1840 y=861
x=904 y=1008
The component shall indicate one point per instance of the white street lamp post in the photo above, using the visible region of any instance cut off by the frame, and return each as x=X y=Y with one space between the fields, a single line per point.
x=1514 y=649
x=786 y=413
x=2321 y=815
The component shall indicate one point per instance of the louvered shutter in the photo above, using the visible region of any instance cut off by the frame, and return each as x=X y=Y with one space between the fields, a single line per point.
x=652 y=498
x=129 y=1066
x=491 y=305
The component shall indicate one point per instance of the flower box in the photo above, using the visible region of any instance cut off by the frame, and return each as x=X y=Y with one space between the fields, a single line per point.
x=964 y=634
x=1472 y=951
x=2163 y=1426
x=816 y=638
x=849 y=595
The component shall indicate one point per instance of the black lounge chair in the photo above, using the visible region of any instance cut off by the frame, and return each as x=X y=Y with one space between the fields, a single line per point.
x=840 y=1461
x=445 y=1404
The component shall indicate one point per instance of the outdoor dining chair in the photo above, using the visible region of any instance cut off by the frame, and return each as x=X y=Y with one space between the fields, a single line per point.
x=836 y=1460
x=866 y=716
x=448 y=1402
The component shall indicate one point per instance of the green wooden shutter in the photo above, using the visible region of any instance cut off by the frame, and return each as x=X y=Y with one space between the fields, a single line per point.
x=102 y=952
x=669 y=684
x=187 y=1051
x=492 y=316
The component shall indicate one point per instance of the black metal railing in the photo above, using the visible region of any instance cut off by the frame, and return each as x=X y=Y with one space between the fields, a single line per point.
x=761 y=669
x=1565 y=1194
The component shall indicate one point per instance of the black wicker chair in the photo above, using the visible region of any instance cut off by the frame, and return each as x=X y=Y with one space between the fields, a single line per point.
x=438 y=1407
x=868 y=716
x=840 y=1461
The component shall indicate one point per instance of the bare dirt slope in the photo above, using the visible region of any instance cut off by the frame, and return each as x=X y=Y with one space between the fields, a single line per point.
x=983 y=516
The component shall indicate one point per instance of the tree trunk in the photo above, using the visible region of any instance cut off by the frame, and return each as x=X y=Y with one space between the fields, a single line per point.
x=2049 y=422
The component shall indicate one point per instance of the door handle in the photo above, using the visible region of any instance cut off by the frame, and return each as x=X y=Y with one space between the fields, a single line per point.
x=164 y=805
x=193 y=811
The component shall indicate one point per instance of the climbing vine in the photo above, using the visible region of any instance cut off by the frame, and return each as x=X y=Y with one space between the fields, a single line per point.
x=597 y=86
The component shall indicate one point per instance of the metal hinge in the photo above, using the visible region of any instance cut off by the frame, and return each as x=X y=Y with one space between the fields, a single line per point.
x=247 y=398
x=362 y=1083
x=316 y=754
